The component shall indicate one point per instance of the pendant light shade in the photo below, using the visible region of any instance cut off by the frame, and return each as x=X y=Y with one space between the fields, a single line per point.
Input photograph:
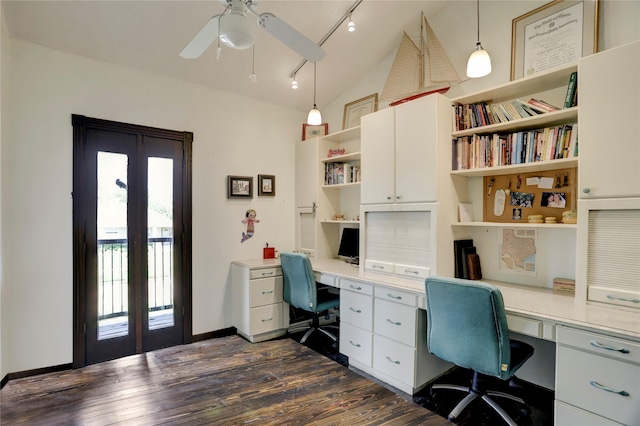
x=314 y=118
x=479 y=63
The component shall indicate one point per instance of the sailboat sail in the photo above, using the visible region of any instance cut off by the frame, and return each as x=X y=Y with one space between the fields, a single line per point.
x=419 y=68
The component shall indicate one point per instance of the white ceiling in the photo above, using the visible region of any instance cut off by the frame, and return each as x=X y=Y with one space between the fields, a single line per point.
x=149 y=35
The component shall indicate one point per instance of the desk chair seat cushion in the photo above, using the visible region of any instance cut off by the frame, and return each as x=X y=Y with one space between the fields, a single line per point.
x=470 y=327
x=300 y=289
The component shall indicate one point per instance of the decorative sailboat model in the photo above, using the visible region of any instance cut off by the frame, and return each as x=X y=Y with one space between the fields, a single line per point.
x=419 y=69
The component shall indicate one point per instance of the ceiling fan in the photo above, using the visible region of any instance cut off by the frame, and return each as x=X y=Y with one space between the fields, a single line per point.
x=234 y=29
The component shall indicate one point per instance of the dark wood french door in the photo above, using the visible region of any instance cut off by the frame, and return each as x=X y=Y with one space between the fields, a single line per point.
x=132 y=239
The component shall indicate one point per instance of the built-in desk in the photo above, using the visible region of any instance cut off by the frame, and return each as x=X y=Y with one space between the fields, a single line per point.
x=587 y=336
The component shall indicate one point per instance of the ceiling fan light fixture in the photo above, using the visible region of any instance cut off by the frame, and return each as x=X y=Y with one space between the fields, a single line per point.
x=236 y=30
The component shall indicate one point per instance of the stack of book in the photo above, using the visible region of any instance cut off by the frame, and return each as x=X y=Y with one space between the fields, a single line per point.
x=341 y=173
x=550 y=143
x=564 y=285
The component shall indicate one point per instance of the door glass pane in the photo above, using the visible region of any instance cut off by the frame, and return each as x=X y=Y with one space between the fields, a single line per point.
x=160 y=242
x=113 y=319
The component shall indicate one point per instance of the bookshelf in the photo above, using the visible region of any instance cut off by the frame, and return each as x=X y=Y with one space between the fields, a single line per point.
x=470 y=185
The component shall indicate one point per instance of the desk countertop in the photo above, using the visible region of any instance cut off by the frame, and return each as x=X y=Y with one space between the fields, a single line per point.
x=530 y=302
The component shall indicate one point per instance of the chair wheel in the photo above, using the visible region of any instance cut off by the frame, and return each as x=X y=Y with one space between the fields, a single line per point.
x=525 y=411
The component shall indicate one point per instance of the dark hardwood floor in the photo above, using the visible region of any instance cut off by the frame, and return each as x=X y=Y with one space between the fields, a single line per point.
x=225 y=381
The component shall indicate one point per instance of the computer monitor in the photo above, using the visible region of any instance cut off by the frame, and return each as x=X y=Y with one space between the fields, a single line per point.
x=350 y=244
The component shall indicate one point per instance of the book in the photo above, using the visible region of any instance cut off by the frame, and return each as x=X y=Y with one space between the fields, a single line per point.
x=460 y=263
x=465 y=212
x=572 y=86
x=544 y=105
x=473 y=267
x=466 y=252
x=534 y=107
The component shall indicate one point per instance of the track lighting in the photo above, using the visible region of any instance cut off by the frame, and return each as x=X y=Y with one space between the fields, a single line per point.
x=294 y=83
x=314 y=118
x=479 y=63
x=351 y=26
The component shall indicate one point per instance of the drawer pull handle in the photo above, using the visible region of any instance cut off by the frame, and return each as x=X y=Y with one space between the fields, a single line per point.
x=599 y=386
x=357 y=345
x=267 y=292
x=609 y=348
x=409 y=271
x=357 y=311
x=623 y=299
x=354 y=287
x=393 y=322
x=394 y=297
x=267 y=319
x=377 y=267
x=390 y=360
x=266 y=274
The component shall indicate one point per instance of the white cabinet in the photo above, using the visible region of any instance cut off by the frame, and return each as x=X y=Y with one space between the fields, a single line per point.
x=383 y=332
x=327 y=191
x=598 y=376
x=609 y=96
x=399 y=151
x=258 y=308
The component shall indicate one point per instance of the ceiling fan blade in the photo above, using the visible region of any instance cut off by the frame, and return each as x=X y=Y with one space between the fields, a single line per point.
x=291 y=37
x=202 y=40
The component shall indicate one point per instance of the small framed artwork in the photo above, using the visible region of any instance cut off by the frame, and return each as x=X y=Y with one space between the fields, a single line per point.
x=555 y=34
x=267 y=185
x=239 y=187
x=356 y=109
x=310 y=131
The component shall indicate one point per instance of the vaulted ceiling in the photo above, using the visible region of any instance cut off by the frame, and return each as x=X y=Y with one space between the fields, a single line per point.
x=149 y=35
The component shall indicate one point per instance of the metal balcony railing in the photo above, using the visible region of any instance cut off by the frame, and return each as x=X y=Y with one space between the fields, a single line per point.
x=113 y=276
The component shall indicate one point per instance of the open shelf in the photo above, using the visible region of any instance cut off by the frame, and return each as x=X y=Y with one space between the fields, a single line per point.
x=352 y=156
x=516 y=225
x=539 y=166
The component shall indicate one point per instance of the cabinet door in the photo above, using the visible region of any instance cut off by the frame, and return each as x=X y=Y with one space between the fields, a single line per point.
x=306 y=172
x=609 y=149
x=378 y=157
x=416 y=150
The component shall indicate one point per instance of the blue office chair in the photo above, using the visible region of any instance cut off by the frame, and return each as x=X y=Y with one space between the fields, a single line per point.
x=300 y=291
x=467 y=325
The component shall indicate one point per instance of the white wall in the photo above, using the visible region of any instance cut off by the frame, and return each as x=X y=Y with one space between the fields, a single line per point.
x=232 y=136
x=3 y=63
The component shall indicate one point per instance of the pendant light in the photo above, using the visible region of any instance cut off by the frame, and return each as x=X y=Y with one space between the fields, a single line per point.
x=479 y=63
x=314 y=118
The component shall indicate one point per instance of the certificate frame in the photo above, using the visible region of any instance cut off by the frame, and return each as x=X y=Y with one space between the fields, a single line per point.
x=356 y=109
x=553 y=27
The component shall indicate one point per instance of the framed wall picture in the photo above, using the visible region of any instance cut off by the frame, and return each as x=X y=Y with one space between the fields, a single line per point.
x=310 y=131
x=239 y=187
x=555 y=34
x=267 y=185
x=356 y=109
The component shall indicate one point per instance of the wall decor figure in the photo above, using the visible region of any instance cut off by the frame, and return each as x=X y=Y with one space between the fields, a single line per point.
x=250 y=221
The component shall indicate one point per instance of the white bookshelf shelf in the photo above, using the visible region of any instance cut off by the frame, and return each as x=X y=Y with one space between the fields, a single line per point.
x=346 y=158
x=341 y=185
x=539 y=166
x=514 y=225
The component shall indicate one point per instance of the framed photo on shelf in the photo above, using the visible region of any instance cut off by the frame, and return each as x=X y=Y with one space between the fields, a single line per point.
x=555 y=34
x=356 y=109
x=267 y=185
x=239 y=187
x=310 y=131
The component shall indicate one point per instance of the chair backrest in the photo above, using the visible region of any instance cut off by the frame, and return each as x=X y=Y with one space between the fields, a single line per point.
x=467 y=325
x=299 y=282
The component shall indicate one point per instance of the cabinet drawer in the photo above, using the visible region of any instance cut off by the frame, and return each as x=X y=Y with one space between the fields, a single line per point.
x=592 y=382
x=266 y=318
x=356 y=343
x=265 y=272
x=356 y=309
x=376 y=266
x=265 y=291
x=395 y=321
x=394 y=359
x=398 y=296
x=411 y=271
x=599 y=344
x=524 y=326
x=567 y=415
x=325 y=279
x=356 y=286
x=614 y=296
